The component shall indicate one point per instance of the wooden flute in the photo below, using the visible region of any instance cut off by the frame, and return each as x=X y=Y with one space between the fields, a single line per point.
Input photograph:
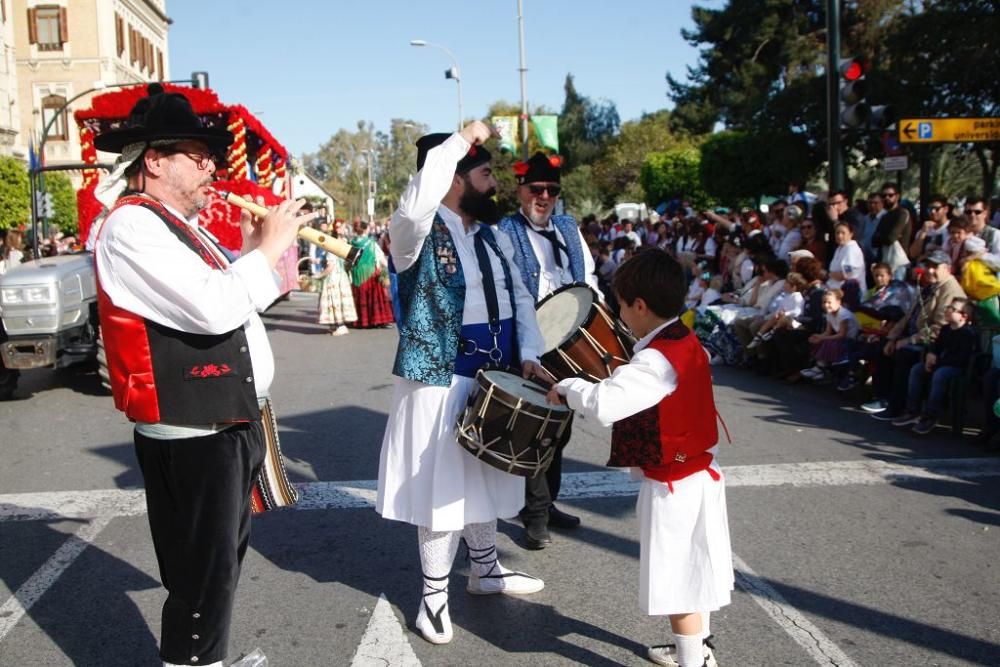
x=342 y=249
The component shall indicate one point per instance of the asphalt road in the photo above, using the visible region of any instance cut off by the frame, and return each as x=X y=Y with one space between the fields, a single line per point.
x=856 y=543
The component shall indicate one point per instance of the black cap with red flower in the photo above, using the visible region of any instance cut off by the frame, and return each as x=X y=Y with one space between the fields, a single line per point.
x=540 y=168
x=476 y=156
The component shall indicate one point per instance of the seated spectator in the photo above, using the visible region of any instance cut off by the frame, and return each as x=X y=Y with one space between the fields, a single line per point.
x=789 y=349
x=768 y=286
x=947 y=358
x=783 y=310
x=786 y=236
x=909 y=337
x=813 y=241
x=885 y=303
x=831 y=346
x=934 y=233
x=847 y=269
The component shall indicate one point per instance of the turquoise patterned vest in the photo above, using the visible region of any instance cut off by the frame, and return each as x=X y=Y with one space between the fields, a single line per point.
x=524 y=254
x=432 y=299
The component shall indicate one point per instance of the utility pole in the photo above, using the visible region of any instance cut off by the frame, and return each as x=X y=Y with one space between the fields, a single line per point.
x=523 y=70
x=835 y=149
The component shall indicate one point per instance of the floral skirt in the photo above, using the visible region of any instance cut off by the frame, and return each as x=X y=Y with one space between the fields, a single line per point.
x=336 y=301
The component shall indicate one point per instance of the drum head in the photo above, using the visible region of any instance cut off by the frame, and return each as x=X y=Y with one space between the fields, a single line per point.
x=562 y=313
x=518 y=387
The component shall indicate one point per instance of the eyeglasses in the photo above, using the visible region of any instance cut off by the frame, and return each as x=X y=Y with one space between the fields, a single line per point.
x=891 y=195
x=934 y=208
x=975 y=211
x=537 y=190
x=200 y=159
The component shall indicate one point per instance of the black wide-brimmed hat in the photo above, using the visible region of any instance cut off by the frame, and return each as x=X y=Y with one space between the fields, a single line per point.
x=476 y=156
x=162 y=116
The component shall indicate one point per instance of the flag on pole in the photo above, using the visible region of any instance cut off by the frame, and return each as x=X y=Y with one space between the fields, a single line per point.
x=506 y=127
x=547 y=131
x=32 y=156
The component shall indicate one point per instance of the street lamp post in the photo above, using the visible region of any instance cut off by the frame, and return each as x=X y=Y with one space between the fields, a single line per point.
x=523 y=69
x=453 y=73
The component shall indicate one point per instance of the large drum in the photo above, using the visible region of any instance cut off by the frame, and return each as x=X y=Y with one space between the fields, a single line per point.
x=508 y=424
x=582 y=337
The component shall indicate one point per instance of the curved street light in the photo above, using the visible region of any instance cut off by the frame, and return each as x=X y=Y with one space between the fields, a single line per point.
x=453 y=73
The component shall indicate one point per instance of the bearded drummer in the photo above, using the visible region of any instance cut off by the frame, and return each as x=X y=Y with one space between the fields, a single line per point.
x=464 y=307
x=549 y=252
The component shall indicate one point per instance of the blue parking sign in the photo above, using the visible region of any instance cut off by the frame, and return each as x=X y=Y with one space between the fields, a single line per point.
x=925 y=130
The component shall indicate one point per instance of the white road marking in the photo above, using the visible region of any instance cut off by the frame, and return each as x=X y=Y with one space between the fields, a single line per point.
x=384 y=642
x=798 y=627
x=36 y=585
x=601 y=484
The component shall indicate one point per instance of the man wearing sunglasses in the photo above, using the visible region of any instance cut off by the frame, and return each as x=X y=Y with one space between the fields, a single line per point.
x=978 y=212
x=893 y=231
x=549 y=252
x=934 y=232
x=188 y=358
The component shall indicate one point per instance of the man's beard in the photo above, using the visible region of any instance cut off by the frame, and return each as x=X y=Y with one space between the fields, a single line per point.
x=480 y=205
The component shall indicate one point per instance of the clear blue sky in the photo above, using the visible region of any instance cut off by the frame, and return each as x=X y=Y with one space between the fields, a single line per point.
x=310 y=67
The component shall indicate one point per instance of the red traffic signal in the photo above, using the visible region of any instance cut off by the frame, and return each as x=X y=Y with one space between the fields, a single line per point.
x=851 y=69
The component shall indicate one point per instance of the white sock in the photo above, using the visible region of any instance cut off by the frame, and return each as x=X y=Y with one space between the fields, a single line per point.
x=437 y=552
x=481 y=538
x=690 y=652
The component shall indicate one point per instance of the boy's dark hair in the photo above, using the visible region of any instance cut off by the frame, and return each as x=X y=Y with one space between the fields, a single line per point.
x=656 y=278
x=960 y=222
x=881 y=266
x=964 y=305
x=778 y=267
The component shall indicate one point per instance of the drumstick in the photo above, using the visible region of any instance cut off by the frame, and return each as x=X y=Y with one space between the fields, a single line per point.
x=347 y=252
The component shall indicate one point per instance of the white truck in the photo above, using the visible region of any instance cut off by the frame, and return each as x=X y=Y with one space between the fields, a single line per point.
x=49 y=312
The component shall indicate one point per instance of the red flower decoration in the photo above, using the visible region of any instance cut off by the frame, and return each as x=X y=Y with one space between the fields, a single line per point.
x=520 y=168
x=555 y=161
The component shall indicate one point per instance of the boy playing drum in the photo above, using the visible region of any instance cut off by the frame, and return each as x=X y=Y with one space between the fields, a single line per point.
x=664 y=417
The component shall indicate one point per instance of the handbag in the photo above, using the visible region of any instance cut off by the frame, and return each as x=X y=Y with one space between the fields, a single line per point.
x=272 y=488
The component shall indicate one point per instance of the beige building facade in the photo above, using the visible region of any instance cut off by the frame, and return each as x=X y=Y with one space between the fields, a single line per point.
x=64 y=48
x=10 y=118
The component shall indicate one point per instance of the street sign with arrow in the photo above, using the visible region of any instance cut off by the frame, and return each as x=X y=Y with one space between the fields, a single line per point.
x=948 y=130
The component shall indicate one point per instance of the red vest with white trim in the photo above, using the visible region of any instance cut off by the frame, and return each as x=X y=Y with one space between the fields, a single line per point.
x=159 y=374
x=670 y=440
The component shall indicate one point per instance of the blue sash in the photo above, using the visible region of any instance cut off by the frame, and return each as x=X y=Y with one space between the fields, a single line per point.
x=477 y=347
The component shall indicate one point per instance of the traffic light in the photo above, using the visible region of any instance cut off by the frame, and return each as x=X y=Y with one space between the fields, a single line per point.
x=199 y=80
x=854 y=110
x=43 y=204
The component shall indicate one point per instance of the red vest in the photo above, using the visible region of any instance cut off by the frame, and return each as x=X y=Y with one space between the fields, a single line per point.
x=159 y=374
x=670 y=440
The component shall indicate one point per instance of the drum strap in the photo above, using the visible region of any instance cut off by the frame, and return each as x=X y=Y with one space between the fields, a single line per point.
x=489 y=285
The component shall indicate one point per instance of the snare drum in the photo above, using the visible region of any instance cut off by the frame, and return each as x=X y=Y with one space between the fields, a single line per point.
x=508 y=424
x=582 y=337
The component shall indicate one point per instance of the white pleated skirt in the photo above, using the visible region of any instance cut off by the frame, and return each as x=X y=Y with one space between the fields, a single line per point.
x=685 y=558
x=425 y=477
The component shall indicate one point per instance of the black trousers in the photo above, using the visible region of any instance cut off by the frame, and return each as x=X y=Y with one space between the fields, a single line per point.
x=198 y=498
x=542 y=490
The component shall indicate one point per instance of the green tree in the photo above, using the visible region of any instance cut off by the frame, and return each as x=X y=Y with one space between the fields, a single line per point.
x=733 y=172
x=15 y=200
x=673 y=173
x=63 y=202
x=397 y=161
x=341 y=164
x=503 y=162
x=585 y=127
x=580 y=192
x=616 y=173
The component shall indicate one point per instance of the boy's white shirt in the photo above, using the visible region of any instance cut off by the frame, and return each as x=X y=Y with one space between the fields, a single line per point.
x=636 y=386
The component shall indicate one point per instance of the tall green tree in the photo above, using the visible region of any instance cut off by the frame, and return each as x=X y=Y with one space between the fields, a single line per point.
x=63 y=202
x=15 y=199
x=340 y=163
x=585 y=126
x=732 y=172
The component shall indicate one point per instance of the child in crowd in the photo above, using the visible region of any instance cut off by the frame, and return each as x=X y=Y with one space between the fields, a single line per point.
x=783 y=310
x=831 y=345
x=947 y=358
x=664 y=416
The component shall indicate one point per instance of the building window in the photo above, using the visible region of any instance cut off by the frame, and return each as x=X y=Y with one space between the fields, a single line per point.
x=55 y=106
x=119 y=34
x=159 y=63
x=47 y=27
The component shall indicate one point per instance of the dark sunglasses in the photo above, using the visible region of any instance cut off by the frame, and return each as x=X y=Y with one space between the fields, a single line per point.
x=975 y=211
x=890 y=194
x=537 y=190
